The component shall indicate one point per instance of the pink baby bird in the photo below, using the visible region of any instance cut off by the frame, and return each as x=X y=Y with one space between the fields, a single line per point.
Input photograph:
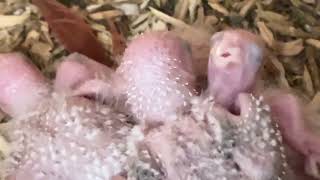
x=235 y=60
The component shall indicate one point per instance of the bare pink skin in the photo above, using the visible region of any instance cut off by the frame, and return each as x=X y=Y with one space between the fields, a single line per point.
x=158 y=75
x=20 y=92
x=235 y=59
x=288 y=112
x=79 y=75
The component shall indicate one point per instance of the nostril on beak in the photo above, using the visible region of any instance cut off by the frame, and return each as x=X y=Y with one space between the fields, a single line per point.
x=225 y=55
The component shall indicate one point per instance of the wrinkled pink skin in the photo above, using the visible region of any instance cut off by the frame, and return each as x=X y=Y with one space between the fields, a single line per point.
x=83 y=71
x=235 y=59
x=84 y=81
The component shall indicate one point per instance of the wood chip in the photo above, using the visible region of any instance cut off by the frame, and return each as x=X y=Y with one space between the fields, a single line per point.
x=135 y=30
x=169 y=19
x=159 y=25
x=272 y=16
x=140 y=19
x=213 y=1
x=181 y=9
x=193 y=5
x=313 y=67
x=308 y=82
x=32 y=36
x=42 y=49
x=218 y=7
x=287 y=30
x=106 y=14
x=10 y=38
x=99 y=27
x=11 y=20
x=200 y=17
x=4 y=146
x=266 y=34
x=313 y=42
x=93 y=7
x=129 y=9
x=267 y=2
x=310 y=1
x=144 y=4
x=45 y=33
x=314 y=104
x=105 y=39
x=245 y=9
x=280 y=68
x=291 y=48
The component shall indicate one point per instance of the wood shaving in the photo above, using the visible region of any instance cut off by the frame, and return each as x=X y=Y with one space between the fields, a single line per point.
x=32 y=37
x=105 y=39
x=169 y=19
x=159 y=3
x=45 y=33
x=312 y=64
x=10 y=38
x=245 y=9
x=287 y=31
x=313 y=42
x=129 y=9
x=272 y=16
x=159 y=25
x=42 y=49
x=308 y=82
x=140 y=19
x=291 y=48
x=280 y=68
x=193 y=5
x=13 y=20
x=218 y=7
x=313 y=108
x=4 y=147
x=315 y=102
x=266 y=34
x=106 y=14
x=144 y=4
x=181 y=9
x=310 y=1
